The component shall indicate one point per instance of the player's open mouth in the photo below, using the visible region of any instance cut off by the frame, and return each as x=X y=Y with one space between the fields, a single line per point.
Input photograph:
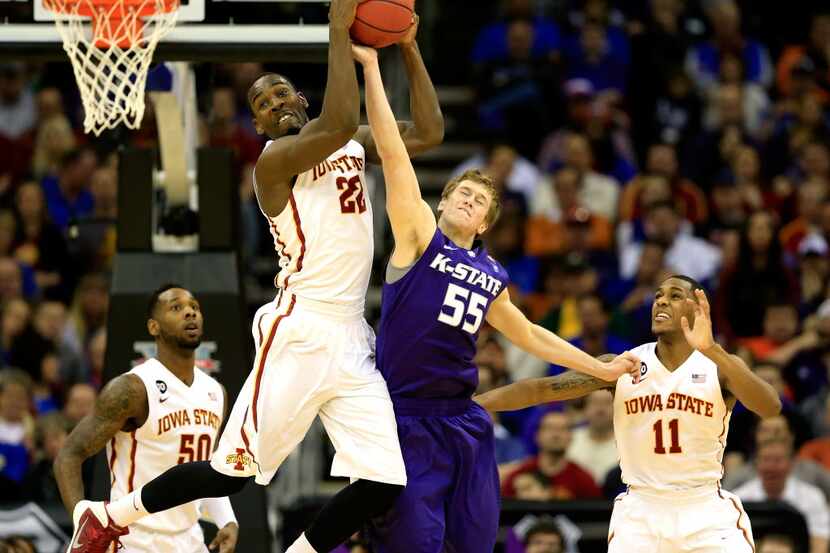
x=284 y=117
x=662 y=317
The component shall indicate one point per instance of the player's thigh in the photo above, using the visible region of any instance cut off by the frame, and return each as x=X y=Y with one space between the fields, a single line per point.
x=141 y=540
x=633 y=526
x=361 y=425
x=416 y=522
x=291 y=378
x=719 y=526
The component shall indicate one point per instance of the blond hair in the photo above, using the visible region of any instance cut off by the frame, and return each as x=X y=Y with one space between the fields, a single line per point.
x=477 y=176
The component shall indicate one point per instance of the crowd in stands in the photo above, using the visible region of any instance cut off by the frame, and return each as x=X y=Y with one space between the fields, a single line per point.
x=630 y=141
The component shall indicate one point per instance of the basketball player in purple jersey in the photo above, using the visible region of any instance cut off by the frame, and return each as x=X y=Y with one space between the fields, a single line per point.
x=440 y=286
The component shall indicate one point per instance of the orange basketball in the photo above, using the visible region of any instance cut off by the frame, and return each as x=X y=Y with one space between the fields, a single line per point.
x=379 y=23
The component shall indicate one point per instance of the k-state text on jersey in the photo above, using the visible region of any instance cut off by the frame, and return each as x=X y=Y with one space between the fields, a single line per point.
x=468 y=274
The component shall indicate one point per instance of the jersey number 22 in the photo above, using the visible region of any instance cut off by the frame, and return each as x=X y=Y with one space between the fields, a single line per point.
x=466 y=309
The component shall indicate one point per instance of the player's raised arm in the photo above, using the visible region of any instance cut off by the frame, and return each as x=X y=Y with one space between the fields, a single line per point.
x=293 y=153
x=413 y=223
x=757 y=395
x=544 y=344
x=535 y=391
x=426 y=129
x=123 y=400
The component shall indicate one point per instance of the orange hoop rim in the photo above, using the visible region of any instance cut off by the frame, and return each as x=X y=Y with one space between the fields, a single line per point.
x=91 y=8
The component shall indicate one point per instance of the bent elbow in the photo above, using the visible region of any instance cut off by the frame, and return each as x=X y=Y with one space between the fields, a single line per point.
x=772 y=409
x=435 y=136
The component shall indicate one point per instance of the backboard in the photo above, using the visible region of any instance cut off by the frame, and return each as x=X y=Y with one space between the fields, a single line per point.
x=206 y=30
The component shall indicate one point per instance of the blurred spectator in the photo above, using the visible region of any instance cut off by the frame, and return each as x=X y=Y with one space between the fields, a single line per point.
x=67 y=196
x=567 y=480
x=814 y=56
x=595 y=339
x=600 y=120
x=224 y=131
x=493 y=40
x=758 y=279
x=598 y=193
x=685 y=254
x=96 y=357
x=775 y=481
x=596 y=61
x=754 y=99
x=593 y=446
x=16 y=314
x=80 y=401
x=522 y=176
x=812 y=194
x=40 y=244
x=544 y=537
x=514 y=90
x=792 y=132
x=532 y=486
x=776 y=543
x=51 y=433
x=814 y=264
x=11 y=280
x=17 y=103
x=560 y=223
x=505 y=242
x=661 y=161
x=780 y=325
x=88 y=311
x=93 y=239
x=16 y=430
x=705 y=59
x=54 y=139
x=676 y=118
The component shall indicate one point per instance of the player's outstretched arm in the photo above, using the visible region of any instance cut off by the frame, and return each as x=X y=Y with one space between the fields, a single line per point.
x=544 y=344
x=426 y=130
x=413 y=223
x=122 y=400
x=535 y=391
x=338 y=121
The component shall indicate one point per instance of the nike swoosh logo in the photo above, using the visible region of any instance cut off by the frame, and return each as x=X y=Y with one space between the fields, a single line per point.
x=78 y=543
x=162 y=400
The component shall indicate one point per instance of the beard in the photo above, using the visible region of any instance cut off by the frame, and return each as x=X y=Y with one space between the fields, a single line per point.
x=181 y=342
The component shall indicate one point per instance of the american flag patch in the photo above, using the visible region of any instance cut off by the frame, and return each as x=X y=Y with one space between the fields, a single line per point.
x=699 y=378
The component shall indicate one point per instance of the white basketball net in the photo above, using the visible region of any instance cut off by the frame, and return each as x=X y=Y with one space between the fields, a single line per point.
x=111 y=57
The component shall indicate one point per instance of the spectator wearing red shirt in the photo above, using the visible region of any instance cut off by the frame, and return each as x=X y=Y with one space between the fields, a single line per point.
x=567 y=479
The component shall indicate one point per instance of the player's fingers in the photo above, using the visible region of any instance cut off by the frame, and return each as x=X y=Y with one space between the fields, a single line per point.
x=684 y=324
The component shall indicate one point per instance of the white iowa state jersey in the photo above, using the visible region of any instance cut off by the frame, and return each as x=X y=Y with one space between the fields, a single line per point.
x=324 y=235
x=182 y=425
x=671 y=427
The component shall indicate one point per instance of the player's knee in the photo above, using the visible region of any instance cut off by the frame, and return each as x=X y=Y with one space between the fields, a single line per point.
x=229 y=485
x=382 y=495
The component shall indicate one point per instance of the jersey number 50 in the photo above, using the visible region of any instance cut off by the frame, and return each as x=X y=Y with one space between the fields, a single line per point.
x=192 y=449
x=463 y=305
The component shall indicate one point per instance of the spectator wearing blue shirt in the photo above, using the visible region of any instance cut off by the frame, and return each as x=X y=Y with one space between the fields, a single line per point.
x=67 y=195
x=595 y=61
x=492 y=41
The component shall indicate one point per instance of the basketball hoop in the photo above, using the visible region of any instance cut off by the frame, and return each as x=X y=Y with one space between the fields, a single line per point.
x=111 y=56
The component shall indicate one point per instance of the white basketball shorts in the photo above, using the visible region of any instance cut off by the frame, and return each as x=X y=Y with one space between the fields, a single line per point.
x=145 y=540
x=708 y=520
x=312 y=359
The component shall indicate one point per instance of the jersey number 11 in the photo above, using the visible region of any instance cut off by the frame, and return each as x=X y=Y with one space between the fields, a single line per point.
x=675 y=437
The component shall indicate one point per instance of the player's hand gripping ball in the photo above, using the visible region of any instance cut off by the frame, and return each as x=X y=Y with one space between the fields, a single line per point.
x=380 y=23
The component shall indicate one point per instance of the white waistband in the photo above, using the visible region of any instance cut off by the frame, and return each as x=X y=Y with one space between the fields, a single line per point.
x=685 y=494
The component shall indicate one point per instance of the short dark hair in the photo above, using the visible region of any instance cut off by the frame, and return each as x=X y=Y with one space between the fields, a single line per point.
x=693 y=284
x=251 y=92
x=154 y=297
x=545 y=525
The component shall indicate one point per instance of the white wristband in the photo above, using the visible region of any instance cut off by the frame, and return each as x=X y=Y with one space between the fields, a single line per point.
x=219 y=509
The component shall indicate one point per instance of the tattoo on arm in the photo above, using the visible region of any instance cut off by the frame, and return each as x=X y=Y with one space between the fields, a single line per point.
x=576 y=384
x=122 y=400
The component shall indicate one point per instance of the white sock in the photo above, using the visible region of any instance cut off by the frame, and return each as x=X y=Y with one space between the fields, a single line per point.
x=301 y=546
x=128 y=509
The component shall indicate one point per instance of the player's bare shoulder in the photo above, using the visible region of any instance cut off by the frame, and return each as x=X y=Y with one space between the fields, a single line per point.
x=124 y=398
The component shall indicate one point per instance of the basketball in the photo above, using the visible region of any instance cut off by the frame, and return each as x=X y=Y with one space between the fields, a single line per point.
x=379 y=23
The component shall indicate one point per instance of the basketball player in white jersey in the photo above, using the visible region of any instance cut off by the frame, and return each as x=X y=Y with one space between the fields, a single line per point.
x=670 y=429
x=163 y=412
x=315 y=351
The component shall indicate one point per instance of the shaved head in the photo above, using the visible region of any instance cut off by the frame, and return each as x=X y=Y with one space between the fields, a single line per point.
x=264 y=82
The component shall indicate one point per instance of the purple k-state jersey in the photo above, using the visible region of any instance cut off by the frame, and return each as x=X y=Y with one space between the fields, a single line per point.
x=430 y=320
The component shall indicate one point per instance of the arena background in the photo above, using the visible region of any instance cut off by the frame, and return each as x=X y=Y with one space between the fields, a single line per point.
x=630 y=139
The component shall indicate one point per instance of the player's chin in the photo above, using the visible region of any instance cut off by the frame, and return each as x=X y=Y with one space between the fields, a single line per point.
x=190 y=342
